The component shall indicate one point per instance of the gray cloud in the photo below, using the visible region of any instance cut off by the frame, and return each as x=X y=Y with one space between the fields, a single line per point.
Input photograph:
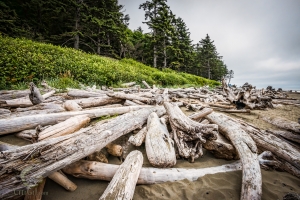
x=259 y=40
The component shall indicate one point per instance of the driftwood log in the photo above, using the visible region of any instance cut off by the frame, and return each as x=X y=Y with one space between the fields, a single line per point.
x=35 y=193
x=66 y=127
x=85 y=94
x=139 y=137
x=123 y=183
x=35 y=95
x=283 y=123
x=188 y=134
x=159 y=146
x=247 y=151
x=29 y=122
x=97 y=101
x=149 y=175
x=71 y=106
x=36 y=161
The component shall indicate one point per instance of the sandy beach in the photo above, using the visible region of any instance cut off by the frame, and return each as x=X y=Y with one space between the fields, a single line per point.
x=211 y=187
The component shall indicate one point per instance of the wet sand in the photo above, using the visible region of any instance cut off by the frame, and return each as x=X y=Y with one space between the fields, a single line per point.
x=211 y=187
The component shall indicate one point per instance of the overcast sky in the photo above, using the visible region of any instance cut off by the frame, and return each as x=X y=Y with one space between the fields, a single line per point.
x=258 y=39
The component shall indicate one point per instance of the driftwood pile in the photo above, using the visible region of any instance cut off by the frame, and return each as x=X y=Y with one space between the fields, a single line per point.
x=64 y=140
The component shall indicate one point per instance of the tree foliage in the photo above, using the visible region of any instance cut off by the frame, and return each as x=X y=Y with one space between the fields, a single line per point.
x=101 y=27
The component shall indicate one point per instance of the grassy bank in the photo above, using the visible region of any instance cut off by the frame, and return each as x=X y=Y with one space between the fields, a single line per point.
x=23 y=60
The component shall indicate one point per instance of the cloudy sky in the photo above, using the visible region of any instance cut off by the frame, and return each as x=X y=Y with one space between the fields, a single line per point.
x=258 y=39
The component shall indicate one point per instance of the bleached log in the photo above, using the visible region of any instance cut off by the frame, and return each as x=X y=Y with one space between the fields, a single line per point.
x=57 y=177
x=43 y=158
x=48 y=94
x=146 y=85
x=42 y=106
x=200 y=114
x=221 y=148
x=71 y=105
x=128 y=84
x=148 y=175
x=5 y=146
x=247 y=151
x=114 y=149
x=137 y=102
x=139 y=137
x=282 y=123
x=98 y=101
x=62 y=180
x=29 y=122
x=13 y=94
x=188 y=134
x=35 y=193
x=287 y=135
x=129 y=97
x=235 y=111
x=159 y=146
x=123 y=183
x=30 y=135
x=4 y=113
x=130 y=103
x=37 y=112
x=221 y=106
x=99 y=156
x=23 y=102
x=66 y=127
x=85 y=94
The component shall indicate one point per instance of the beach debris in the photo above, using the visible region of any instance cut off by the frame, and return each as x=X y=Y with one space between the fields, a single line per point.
x=123 y=183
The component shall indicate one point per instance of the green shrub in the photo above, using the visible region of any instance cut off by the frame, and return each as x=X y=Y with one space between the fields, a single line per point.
x=23 y=60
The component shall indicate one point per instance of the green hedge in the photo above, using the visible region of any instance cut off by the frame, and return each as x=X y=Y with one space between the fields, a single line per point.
x=23 y=60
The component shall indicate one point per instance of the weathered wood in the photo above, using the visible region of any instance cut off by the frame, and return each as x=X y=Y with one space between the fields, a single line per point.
x=149 y=175
x=269 y=142
x=139 y=137
x=146 y=85
x=85 y=94
x=128 y=84
x=35 y=96
x=97 y=101
x=29 y=122
x=66 y=127
x=5 y=146
x=71 y=105
x=287 y=135
x=247 y=151
x=221 y=106
x=35 y=193
x=99 y=156
x=123 y=183
x=13 y=94
x=114 y=149
x=30 y=135
x=282 y=123
x=129 y=97
x=235 y=111
x=62 y=180
x=201 y=113
x=38 y=160
x=188 y=134
x=130 y=103
x=159 y=146
x=4 y=113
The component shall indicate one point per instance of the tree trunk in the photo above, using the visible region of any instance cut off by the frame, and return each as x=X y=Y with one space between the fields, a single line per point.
x=24 y=102
x=146 y=84
x=159 y=146
x=123 y=183
x=29 y=122
x=188 y=134
x=38 y=160
x=77 y=19
x=130 y=97
x=287 y=135
x=283 y=123
x=62 y=180
x=200 y=114
x=149 y=175
x=13 y=94
x=138 y=138
x=66 y=127
x=71 y=106
x=97 y=101
x=85 y=94
x=4 y=113
x=247 y=150
x=35 y=95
